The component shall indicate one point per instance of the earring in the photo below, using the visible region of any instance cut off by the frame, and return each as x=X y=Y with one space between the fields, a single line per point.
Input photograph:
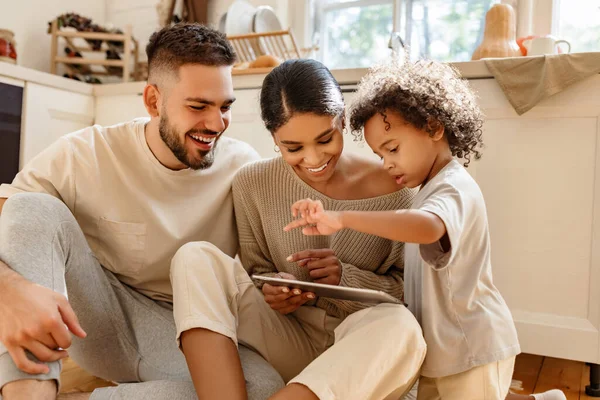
x=276 y=149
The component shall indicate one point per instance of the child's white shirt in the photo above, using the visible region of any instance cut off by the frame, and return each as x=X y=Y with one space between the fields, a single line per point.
x=465 y=320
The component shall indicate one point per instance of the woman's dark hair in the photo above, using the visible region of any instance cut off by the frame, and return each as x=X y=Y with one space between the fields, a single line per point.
x=425 y=94
x=298 y=87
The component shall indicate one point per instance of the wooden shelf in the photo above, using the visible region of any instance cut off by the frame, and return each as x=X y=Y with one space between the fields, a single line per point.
x=112 y=37
x=87 y=61
x=129 y=53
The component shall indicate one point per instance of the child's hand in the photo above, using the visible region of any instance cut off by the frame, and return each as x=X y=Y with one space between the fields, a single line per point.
x=314 y=219
x=284 y=300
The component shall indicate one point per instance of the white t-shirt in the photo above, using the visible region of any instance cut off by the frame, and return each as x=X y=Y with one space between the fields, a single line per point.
x=465 y=320
x=135 y=213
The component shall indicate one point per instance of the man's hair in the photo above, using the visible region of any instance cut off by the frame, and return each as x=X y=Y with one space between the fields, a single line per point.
x=187 y=43
x=426 y=94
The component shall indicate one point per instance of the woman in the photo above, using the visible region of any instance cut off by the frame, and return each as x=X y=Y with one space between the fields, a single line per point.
x=327 y=348
x=324 y=348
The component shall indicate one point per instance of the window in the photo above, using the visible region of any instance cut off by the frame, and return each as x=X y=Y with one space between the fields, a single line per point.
x=579 y=23
x=353 y=34
x=356 y=33
x=443 y=30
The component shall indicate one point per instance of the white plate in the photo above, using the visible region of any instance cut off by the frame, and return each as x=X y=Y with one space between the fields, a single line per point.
x=222 y=22
x=240 y=18
x=265 y=20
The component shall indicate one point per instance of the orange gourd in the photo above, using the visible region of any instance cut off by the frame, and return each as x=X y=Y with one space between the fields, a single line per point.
x=499 y=37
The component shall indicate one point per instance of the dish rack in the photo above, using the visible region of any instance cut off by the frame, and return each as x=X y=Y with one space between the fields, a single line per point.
x=123 y=46
x=249 y=47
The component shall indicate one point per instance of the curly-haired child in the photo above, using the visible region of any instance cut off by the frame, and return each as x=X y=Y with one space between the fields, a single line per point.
x=418 y=117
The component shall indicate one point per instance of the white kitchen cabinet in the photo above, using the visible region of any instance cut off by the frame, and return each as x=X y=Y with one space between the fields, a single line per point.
x=350 y=142
x=540 y=175
x=50 y=113
x=246 y=124
x=115 y=109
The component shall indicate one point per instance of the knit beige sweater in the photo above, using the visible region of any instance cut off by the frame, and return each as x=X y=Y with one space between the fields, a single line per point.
x=263 y=193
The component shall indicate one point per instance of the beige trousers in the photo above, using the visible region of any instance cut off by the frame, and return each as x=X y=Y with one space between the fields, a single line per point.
x=375 y=353
x=486 y=382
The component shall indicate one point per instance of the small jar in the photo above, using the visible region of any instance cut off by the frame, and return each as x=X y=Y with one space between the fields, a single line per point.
x=8 y=51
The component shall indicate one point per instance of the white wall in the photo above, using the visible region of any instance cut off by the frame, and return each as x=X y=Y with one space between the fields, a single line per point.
x=143 y=16
x=218 y=7
x=28 y=19
x=140 y=14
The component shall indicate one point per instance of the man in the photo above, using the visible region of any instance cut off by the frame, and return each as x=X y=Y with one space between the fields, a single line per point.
x=98 y=216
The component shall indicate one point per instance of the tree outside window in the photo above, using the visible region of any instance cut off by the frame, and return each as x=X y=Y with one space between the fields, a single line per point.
x=356 y=33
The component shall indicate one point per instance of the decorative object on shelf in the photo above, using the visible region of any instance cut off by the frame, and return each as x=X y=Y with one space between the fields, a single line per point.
x=499 y=36
x=8 y=47
x=121 y=50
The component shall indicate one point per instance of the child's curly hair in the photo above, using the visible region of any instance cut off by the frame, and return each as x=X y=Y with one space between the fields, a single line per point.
x=425 y=94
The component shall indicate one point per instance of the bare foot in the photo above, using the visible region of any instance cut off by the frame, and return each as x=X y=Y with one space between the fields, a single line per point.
x=29 y=389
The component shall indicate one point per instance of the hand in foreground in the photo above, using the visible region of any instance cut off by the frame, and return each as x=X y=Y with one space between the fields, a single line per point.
x=314 y=219
x=283 y=299
x=36 y=319
x=323 y=265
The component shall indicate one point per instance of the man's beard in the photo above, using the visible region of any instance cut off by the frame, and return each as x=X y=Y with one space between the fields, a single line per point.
x=168 y=134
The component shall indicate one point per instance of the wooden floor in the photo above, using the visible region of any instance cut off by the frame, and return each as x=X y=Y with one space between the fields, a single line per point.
x=533 y=374
x=74 y=379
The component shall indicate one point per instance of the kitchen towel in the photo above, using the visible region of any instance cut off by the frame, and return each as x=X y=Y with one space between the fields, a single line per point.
x=528 y=80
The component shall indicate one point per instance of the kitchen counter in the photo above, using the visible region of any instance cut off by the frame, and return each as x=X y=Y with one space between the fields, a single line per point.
x=469 y=70
x=43 y=78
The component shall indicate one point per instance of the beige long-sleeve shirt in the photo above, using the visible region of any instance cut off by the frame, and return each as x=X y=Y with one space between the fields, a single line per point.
x=134 y=212
x=263 y=193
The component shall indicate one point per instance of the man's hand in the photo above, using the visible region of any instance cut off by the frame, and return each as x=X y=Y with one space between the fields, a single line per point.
x=284 y=300
x=314 y=219
x=323 y=265
x=36 y=319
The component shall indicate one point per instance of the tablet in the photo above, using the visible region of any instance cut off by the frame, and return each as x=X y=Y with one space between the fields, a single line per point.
x=335 y=292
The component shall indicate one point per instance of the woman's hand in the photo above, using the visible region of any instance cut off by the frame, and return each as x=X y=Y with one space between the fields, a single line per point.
x=314 y=219
x=284 y=300
x=323 y=265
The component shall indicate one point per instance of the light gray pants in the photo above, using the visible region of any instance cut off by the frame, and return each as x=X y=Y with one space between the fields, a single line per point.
x=130 y=338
